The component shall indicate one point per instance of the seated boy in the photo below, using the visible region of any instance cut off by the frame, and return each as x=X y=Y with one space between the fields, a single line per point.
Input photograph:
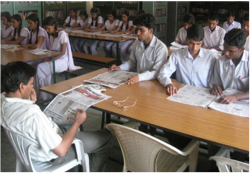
x=232 y=69
x=21 y=116
x=148 y=53
x=245 y=26
x=188 y=21
x=230 y=23
x=214 y=34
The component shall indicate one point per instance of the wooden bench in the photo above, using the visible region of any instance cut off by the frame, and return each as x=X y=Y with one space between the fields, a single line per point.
x=94 y=59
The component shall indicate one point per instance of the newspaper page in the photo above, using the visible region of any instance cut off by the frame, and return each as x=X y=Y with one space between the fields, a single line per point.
x=177 y=46
x=8 y=46
x=64 y=106
x=39 y=51
x=111 y=79
x=240 y=108
x=193 y=95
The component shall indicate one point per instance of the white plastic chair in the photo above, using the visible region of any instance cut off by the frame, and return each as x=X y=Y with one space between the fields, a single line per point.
x=145 y=153
x=227 y=164
x=22 y=146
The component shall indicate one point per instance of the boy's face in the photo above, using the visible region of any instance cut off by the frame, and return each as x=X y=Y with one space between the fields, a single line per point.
x=26 y=89
x=232 y=52
x=186 y=25
x=144 y=33
x=212 y=24
x=194 y=46
x=245 y=25
x=230 y=20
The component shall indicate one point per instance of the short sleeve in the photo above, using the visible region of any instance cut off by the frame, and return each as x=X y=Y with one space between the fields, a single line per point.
x=41 y=33
x=89 y=20
x=24 y=32
x=67 y=20
x=100 y=19
x=78 y=20
x=12 y=33
x=120 y=23
x=130 y=23
x=116 y=22
x=63 y=38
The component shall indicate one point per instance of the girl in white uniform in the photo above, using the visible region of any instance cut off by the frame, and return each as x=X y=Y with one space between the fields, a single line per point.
x=8 y=28
x=110 y=25
x=71 y=19
x=125 y=26
x=81 y=23
x=19 y=34
x=58 y=42
x=95 y=22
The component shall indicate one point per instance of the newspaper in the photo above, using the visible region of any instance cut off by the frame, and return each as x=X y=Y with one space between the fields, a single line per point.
x=111 y=79
x=218 y=53
x=64 y=106
x=177 y=45
x=39 y=51
x=8 y=46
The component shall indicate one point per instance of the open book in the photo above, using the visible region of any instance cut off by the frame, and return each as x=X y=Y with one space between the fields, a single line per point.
x=111 y=79
x=63 y=107
x=197 y=96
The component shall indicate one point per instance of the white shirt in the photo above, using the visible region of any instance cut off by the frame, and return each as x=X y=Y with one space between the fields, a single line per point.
x=196 y=72
x=24 y=32
x=55 y=43
x=81 y=22
x=247 y=44
x=23 y=117
x=228 y=76
x=43 y=33
x=72 y=22
x=110 y=26
x=215 y=38
x=5 y=33
x=181 y=36
x=228 y=27
x=146 y=61
x=94 y=26
x=130 y=23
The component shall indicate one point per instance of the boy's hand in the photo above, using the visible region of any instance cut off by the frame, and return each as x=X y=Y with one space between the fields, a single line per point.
x=80 y=116
x=228 y=99
x=114 y=68
x=133 y=79
x=171 y=89
x=33 y=95
x=216 y=90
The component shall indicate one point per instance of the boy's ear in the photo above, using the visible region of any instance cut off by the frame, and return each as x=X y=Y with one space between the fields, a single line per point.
x=21 y=87
x=151 y=31
x=242 y=49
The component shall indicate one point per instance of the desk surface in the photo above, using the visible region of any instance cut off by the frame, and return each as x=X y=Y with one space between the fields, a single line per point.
x=21 y=55
x=154 y=109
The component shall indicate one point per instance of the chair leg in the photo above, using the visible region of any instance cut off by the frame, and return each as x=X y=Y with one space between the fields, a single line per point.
x=67 y=76
x=85 y=163
x=108 y=118
x=103 y=119
x=193 y=156
x=19 y=165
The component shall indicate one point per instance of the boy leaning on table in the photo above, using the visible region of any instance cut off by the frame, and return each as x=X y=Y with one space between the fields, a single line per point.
x=232 y=69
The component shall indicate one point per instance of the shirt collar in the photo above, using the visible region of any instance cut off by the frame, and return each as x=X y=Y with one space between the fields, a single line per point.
x=188 y=54
x=244 y=58
x=231 y=24
x=151 y=44
x=15 y=99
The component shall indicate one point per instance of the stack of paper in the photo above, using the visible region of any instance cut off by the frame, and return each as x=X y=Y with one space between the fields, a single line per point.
x=176 y=46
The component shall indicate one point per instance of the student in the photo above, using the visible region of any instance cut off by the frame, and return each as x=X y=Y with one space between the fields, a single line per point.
x=214 y=34
x=148 y=52
x=58 y=42
x=8 y=28
x=81 y=23
x=125 y=26
x=71 y=19
x=188 y=21
x=245 y=26
x=110 y=25
x=38 y=37
x=22 y=116
x=231 y=23
x=193 y=66
x=95 y=22
x=232 y=69
x=19 y=34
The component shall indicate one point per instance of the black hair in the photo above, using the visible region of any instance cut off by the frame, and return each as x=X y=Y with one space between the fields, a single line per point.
x=230 y=13
x=18 y=18
x=189 y=18
x=50 y=21
x=72 y=9
x=246 y=17
x=127 y=14
x=83 y=13
x=213 y=16
x=15 y=73
x=141 y=12
x=113 y=13
x=34 y=17
x=147 y=20
x=235 y=37
x=195 y=32
x=94 y=10
x=7 y=15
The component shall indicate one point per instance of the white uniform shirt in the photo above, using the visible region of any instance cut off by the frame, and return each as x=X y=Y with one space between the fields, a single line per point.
x=72 y=22
x=24 y=32
x=110 y=26
x=43 y=33
x=6 y=32
x=228 y=76
x=196 y=72
x=181 y=36
x=147 y=61
x=81 y=22
x=23 y=117
x=94 y=26
x=247 y=44
x=130 y=23
x=215 y=38
x=228 y=27
x=55 y=43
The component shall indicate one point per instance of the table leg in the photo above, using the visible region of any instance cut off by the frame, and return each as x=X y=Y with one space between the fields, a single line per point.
x=118 y=61
x=54 y=69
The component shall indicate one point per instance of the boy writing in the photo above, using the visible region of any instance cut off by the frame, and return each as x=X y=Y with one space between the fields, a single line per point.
x=230 y=23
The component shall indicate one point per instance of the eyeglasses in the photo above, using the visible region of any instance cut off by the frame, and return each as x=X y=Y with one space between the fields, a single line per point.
x=120 y=105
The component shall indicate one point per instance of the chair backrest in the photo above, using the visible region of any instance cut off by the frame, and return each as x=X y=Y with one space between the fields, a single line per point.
x=21 y=146
x=230 y=165
x=140 y=151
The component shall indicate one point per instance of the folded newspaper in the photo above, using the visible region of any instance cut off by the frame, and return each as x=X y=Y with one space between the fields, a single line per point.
x=197 y=96
x=111 y=79
x=63 y=107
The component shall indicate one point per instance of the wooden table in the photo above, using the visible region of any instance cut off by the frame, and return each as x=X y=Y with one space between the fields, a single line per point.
x=154 y=109
x=22 y=55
